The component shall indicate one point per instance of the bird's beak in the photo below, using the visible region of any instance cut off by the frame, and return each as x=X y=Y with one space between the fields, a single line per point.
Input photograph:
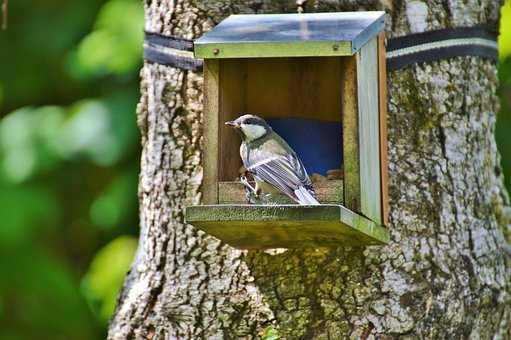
x=231 y=123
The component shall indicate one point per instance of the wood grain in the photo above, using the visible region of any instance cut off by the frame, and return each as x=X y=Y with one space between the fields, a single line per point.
x=294 y=88
x=286 y=226
x=232 y=105
x=350 y=126
x=384 y=162
x=369 y=126
x=210 y=131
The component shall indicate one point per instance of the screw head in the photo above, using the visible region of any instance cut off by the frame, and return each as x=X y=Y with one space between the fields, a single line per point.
x=216 y=51
x=335 y=47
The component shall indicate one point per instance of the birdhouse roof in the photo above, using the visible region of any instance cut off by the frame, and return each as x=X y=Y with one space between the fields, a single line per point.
x=290 y=35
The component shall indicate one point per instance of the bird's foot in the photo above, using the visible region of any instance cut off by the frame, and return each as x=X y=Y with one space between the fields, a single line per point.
x=247 y=185
x=251 y=194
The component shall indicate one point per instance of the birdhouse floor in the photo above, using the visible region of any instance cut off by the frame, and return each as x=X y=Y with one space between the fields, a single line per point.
x=285 y=226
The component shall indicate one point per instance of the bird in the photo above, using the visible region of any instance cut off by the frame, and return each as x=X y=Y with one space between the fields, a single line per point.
x=274 y=165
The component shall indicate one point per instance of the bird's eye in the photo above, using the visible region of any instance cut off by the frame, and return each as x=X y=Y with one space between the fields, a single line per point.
x=251 y=121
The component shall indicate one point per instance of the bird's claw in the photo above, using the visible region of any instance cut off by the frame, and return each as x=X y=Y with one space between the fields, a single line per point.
x=251 y=193
x=247 y=185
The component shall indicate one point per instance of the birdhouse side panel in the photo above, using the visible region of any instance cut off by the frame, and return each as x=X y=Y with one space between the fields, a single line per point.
x=350 y=135
x=369 y=127
x=210 y=132
x=384 y=163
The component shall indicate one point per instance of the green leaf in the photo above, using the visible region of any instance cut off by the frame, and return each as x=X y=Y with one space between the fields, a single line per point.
x=109 y=209
x=505 y=30
x=1 y=94
x=26 y=138
x=25 y=210
x=41 y=298
x=98 y=128
x=86 y=131
x=115 y=45
x=104 y=279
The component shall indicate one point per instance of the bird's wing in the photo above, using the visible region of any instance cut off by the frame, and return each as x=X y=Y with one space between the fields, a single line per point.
x=283 y=170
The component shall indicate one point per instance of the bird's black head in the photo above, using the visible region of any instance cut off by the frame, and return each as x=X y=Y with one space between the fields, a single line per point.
x=251 y=127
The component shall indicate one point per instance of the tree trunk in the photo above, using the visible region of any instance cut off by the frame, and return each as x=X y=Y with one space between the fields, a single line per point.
x=444 y=274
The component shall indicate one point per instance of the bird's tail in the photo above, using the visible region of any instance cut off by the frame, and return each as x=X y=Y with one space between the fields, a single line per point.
x=305 y=197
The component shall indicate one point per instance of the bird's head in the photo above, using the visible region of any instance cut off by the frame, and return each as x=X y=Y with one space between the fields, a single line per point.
x=250 y=127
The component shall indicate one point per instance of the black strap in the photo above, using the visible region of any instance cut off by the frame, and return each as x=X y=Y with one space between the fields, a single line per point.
x=401 y=51
x=441 y=44
x=165 y=57
x=168 y=41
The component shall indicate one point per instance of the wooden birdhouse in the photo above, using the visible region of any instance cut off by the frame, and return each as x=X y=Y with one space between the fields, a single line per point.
x=319 y=81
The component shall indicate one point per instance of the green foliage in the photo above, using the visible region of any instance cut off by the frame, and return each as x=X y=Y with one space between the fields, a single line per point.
x=503 y=131
x=106 y=274
x=108 y=208
x=69 y=159
x=33 y=50
x=35 y=140
x=114 y=44
x=505 y=31
x=26 y=139
x=95 y=128
x=26 y=211
x=40 y=299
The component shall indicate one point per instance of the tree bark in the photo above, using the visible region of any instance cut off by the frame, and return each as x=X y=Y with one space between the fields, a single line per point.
x=444 y=274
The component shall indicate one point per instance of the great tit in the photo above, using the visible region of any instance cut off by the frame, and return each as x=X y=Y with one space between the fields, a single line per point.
x=271 y=161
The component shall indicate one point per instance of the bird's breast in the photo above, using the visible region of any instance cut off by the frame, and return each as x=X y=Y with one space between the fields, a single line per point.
x=244 y=153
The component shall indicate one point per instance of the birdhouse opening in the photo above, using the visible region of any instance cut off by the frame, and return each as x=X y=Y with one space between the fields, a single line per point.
x=301 y=99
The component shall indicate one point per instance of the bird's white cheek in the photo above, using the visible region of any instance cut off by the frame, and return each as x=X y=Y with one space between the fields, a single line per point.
x=253 y=132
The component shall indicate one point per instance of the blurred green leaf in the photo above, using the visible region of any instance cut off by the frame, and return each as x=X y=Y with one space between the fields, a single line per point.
x=39 y=293
x=25 y=138
x=505 y=75
x=34 y=47
x=1 y=95
x=67 y=170
x=34 y=140
x=503 y=128
x=104 y=279
x=115 y=45
x=123 y=128
x=99 y=129
x=25 y=210
x=505 y=30
x=87 y=131
x=120 y=196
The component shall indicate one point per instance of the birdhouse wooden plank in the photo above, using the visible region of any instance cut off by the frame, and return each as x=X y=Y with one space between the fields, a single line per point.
x=318 y=80
x=382 y=105
x=211 y=135
x=286 y=226
x=350 y=129
x=369 y=144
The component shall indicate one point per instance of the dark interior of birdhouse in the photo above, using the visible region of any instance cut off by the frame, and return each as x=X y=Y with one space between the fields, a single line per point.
x=301 y=98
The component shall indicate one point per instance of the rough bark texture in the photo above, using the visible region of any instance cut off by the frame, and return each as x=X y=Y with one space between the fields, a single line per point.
x=444 y=274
